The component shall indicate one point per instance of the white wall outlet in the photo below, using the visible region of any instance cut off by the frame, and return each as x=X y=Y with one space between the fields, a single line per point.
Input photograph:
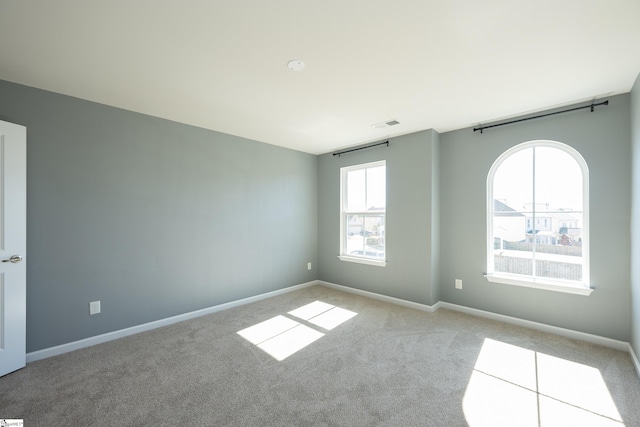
x=308 y=266
x=94 y=307
x=458 y=283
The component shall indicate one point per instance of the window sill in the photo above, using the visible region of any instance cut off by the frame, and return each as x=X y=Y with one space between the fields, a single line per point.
x=368 y=261
x=537 y=283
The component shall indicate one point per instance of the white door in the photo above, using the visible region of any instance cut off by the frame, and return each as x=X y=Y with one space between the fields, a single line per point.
x=13 y=246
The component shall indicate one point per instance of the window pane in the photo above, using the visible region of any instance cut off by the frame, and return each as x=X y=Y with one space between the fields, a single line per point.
x=514 y=262
x=365 y=236
x=374 y=236
x=513 y=181
x=355 y=235
x=558 y=180
x=558 y=215
x=513 y=195
x=376 y=188
x=356 y=190
x=556 y=268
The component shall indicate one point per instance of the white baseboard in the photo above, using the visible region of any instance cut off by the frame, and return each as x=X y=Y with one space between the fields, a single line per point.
x=634 y=359
x=110 y=336
x=594 y=339
x=373 y=295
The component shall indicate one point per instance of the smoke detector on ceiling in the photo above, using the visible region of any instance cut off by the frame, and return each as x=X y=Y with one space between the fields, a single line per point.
x=295 y=65
x=386 y=124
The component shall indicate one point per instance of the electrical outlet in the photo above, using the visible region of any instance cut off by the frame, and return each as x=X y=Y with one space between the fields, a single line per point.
x=308 y=266
x=458 y=283
x=94 y=307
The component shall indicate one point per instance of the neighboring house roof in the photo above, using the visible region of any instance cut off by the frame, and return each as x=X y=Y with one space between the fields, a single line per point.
x=502 y=209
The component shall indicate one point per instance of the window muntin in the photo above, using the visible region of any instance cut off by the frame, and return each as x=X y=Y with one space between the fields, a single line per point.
x=363 y=213
x=538 y=218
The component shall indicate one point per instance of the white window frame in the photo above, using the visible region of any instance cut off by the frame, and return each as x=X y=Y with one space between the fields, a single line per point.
x=567 y=286
x=344 y=214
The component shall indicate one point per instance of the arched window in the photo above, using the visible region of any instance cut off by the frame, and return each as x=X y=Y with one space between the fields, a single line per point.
x=538 y=218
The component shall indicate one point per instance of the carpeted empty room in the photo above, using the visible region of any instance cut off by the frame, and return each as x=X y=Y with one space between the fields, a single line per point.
x=320 y=213
x=352 y=360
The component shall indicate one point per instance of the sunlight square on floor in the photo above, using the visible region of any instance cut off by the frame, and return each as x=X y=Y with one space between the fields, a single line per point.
x=310 y=310
x=263 y=331
x=281 y=336
x=512 y=385
x=284 y=345
x=332 y=318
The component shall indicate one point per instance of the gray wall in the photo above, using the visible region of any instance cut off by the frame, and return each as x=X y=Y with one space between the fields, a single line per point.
x=153 y=218
x=635 y=217
x=411 y=236
x=156 y=218
x=603 y=139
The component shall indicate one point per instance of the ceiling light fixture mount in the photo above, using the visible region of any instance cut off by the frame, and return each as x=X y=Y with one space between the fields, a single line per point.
x=295 y=65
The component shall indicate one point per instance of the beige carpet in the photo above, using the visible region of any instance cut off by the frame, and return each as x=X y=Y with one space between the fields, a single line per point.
x=366 y=363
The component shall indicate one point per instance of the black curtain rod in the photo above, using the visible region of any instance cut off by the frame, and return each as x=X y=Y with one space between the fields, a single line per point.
x=592 y=105
x=360 y=148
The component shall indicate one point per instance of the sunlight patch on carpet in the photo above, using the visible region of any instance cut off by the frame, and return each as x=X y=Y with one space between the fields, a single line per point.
x=511 y=385
x=321 y=314
x=282 y=336
x=311 y=310
x=285 y=344
x=268 y=329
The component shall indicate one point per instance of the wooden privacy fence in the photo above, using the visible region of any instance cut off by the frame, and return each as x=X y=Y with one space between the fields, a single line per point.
x=544 y=268
x=547 y=249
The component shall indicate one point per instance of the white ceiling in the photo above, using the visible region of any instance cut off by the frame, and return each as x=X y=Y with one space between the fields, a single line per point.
x=222 y=65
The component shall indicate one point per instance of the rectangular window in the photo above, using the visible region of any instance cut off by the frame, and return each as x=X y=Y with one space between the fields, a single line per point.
x=363 y=202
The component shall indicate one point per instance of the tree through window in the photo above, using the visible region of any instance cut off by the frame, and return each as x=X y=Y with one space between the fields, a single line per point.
x=538 y=215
